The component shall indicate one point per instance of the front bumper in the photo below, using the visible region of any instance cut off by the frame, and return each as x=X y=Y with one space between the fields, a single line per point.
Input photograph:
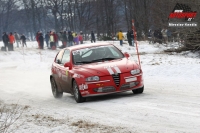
x=110 y=85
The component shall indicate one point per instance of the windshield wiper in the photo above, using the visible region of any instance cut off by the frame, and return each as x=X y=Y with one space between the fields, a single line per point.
x=83 y=61
x=97 y=60
x=103 y=59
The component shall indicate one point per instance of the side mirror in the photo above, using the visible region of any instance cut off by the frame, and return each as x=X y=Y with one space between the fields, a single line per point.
x=126 y=55
x=68 y=64
x=58 y=61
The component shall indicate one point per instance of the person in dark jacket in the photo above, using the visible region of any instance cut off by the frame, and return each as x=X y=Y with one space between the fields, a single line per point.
x=70 y=39
x=47 y=37
x=92 y=37
x=158 y=36
x=132 y=37
x=41 y=41
x=64 y=39
x=5 y=40
x=23 y=39
x=128 y=34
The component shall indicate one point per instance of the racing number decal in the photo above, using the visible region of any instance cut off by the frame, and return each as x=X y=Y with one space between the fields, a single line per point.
x=110 y=70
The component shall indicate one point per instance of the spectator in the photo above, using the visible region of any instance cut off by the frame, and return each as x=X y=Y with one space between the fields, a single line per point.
x=76 y=39
x=70 y=38
x=169 y=34
x=60 y=36
x=55 y=39
x=41 y=40
x=52 y=41
x=5 y=40
x=73 y=34
x=37 y=38
x=120 y=37
x=81 y=37
x=47 y=39
x=164 y=34
x=132 y=37
x=150 y=36
x=128 y=35
x=23 y=39
x=92 y=37
x=158 y=36
x=64 y=39
x=17 y=38
x=11 y=42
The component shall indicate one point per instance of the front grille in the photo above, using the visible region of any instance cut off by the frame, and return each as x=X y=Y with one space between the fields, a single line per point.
x=116 y=78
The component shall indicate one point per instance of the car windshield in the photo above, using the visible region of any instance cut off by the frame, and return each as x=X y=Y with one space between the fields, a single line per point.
x=96 y=54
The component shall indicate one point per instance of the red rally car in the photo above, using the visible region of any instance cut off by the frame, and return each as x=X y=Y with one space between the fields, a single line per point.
x=92 y=70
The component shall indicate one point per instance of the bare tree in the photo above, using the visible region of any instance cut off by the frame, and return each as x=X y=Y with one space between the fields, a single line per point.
x=7 y=8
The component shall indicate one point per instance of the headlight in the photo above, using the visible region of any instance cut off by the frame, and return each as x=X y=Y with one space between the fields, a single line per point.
x=94 y=78
x=136 y=71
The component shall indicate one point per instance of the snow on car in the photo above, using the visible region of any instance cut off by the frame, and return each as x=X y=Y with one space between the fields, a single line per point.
x=92 y=70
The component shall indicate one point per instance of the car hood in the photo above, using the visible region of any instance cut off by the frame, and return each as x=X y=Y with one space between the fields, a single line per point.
x=106 y=68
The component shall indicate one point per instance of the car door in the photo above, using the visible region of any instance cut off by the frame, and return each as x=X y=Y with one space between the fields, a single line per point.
x=65 y=77
x=57 y=66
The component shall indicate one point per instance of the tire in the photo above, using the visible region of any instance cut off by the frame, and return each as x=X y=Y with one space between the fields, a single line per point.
x=138 y=91
x=77 y=95
x=54 y=89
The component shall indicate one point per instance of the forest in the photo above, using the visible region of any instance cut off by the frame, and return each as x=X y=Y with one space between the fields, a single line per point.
x=104 y=17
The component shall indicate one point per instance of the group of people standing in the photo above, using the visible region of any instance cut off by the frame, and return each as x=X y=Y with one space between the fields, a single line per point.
x=10 y=39
x=160 y=36
x=129 y=35
x=52 y=38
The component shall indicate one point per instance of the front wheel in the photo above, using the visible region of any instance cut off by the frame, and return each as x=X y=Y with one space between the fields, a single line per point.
x=54 y=89
x=77 y=95
x=138 y=91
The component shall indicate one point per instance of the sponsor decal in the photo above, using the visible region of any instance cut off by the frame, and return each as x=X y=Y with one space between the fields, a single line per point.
x=80 y=51
x=184 y=13
x=78 y=76
x=83 y=86
x=76 y=52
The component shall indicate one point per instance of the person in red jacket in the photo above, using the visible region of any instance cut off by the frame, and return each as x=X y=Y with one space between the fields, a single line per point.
x=55 y=38
x=81 y=37
x=37 y=38
x=11 y=41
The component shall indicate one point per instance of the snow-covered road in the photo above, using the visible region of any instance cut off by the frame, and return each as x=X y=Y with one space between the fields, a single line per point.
x=169 y=104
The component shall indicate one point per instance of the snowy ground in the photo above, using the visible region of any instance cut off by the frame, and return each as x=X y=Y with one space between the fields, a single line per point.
x=169 y=104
